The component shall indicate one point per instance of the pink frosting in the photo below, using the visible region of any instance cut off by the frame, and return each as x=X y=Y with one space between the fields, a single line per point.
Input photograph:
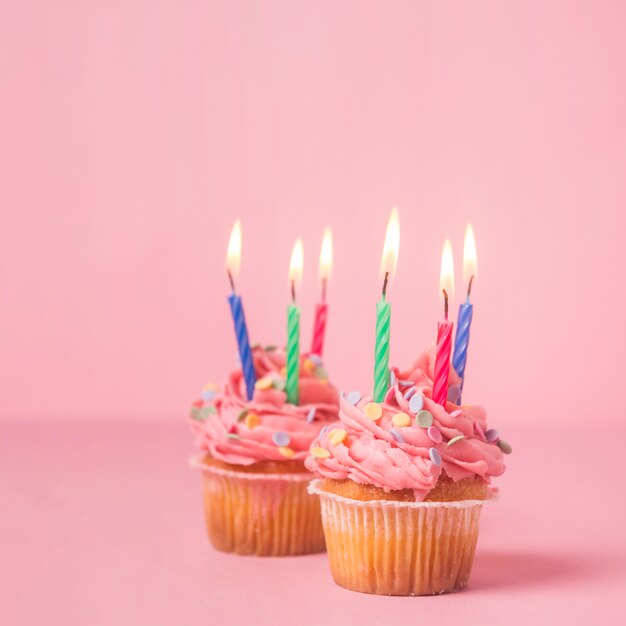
x=220 y=428
x=370 y=454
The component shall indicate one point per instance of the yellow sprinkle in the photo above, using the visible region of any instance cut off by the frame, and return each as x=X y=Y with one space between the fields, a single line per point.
x=283 y=371
x=210 y=387
x=252 y=420
x=373 y=410
x=401 y=419
x=337 y=435
x=308 y=366
x=288 y=452
x=263 y=383
x=320 y=453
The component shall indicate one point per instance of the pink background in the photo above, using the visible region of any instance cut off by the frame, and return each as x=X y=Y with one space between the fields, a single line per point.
x=133 y=133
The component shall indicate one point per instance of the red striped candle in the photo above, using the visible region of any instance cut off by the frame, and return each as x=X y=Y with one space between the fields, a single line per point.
x=321 y=310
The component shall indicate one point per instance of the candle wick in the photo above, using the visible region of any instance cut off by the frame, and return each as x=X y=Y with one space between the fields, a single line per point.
x=445 y=303
x=469 y=287
x=231 y=280
x=385 y=285
x=293 y=291
x=323 y=289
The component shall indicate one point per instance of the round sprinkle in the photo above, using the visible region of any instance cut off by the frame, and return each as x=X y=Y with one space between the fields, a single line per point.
x=316 y=359
x=401 y=419
x=397 y=435
x=233 y=436
x=455 y=439
x=435 y=457
x=392 y=378
x=405 y=383
x=308 y=365
x=320 y=453
x=456 y=413
x=281 y=438
x=492 y=435
x=373 y=411
x=195 y=414
x=205 y=411
x=504 y=446
x=424 y=418
x=337 y=435
x=279 y=383
x=320 y=372
x=270 y=348
x=409 y=393
x=210 y=387
x=208 y=395
x=283 y=371
x=286 y=452
x=416 y=402
x=263 y=383
x=252 y=420
x=435 y=434
x=353 y=397
x=242 y=415
x=310 y=416
x=390 y=395
x=454 y=393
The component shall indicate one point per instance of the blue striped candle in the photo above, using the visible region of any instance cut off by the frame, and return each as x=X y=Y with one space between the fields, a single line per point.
x=245 y=353
x=461 y=342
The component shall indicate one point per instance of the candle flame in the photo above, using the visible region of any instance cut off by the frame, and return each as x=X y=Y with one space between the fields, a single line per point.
x=446 y=280
x=233 y=252
x=296 y=264
x=326 y=255
x=470 y=260
x=389 y=260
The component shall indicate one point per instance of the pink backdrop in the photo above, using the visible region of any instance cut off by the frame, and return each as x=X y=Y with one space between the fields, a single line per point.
x=133 y=133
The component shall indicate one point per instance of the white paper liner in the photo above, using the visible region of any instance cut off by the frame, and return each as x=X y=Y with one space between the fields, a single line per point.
x=399 y=548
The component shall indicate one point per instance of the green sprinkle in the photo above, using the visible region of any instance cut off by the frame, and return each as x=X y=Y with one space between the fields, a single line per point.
x=270 y=348
x=242 y=415
x=233 y=436
x=455 y=439
x=279 y=383
x=195 y=413
x=320 y=372
x=504 y=446
x=424 y=418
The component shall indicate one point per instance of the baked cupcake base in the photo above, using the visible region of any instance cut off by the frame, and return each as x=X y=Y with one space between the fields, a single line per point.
x=260 y=513
x=392 y=547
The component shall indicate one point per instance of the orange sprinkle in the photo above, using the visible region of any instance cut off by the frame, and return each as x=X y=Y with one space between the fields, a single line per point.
x=263 y=383
x=337 y=435
x=286 y=452
x=320 y=453
x=373 y=411
x=308 y=366
x=252 y=420
x=210 y=387
x=401 y=419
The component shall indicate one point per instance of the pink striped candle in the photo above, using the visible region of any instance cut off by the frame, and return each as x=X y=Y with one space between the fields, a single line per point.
x=321 y=310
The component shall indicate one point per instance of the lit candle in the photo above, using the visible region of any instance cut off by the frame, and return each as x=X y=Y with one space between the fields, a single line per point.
x=321 y=310
x=466 y=310
x=233 y=262
x=388 y=265
x=293 y=324
x=444 y=328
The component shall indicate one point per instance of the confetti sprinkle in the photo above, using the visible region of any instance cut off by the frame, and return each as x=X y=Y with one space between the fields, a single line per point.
x=373 y=411
x=205 y=411
x=435 y=434
x=286 y=452
x=424 y=418
x=283 y=371
x=320 y=372
x=405 y=383
x=397 y=435
x=210 y=387
x=409 y=394
x=456 y=413
x=337 y=435
x=233 y=436
x=416 y=402
x=310 y=416
x=454 y=393
x=316 y=359
x=479 y=431
x=353 y=397
x=242 y=415
x=270 y=348
x=401 y=419
x=263 y=383
x=390 y=395
x=492 y=435
x=435 y=457
x=208 y=395
x=504 y=446
x=195 y=414
x=308 y=366
x=320 y=453
x=455 y=439
x=281 y=438
x=252 y=420
x=392 y=378
x=279 y=383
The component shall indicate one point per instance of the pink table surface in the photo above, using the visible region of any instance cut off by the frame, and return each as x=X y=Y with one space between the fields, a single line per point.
x=102 y=524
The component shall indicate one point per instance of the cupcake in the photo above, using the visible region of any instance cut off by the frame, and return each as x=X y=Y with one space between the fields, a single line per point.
x=252 y=457
x=402 y=484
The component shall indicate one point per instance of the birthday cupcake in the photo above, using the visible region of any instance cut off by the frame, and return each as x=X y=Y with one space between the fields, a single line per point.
x=252 y=457
x=402 y=486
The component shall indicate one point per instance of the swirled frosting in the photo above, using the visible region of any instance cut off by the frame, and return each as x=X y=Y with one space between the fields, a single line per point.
x=379 y=451
x=267 y=428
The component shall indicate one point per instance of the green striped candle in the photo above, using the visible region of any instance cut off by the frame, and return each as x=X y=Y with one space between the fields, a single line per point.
x=293 y=326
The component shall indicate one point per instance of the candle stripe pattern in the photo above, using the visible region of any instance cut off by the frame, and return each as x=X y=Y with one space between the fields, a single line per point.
x=381 y=357
x=462 y=341
x=319 y=329
x=293 y=354
x=245 y=353
x=442 y=363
